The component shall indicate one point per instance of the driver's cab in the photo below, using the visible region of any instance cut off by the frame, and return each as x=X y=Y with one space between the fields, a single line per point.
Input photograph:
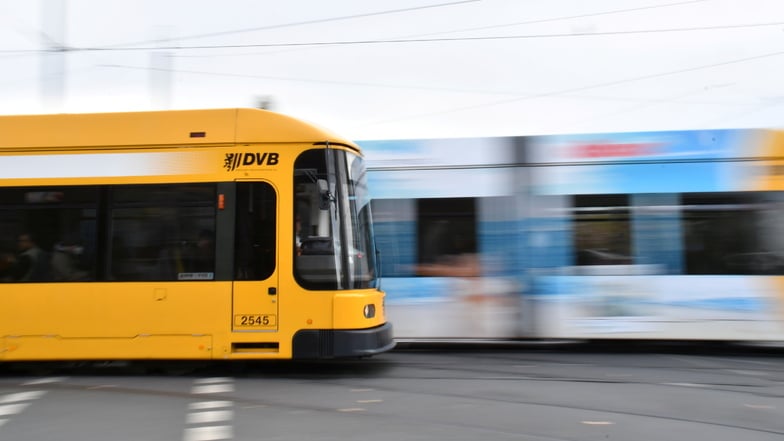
x=333 y=244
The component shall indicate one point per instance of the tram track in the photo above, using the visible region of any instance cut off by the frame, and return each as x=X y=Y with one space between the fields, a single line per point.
x=444 y=378
x=478 y=429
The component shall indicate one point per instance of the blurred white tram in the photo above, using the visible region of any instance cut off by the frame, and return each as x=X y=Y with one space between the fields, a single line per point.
x=655 y=235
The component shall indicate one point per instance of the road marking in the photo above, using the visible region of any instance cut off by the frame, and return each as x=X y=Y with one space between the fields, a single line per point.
x=203 y=415
x=213 y=380
x=12 y=409
x=14 y=403
x=22 y=396
x=210 y=416
x=685 y=384
x=351 y=409
x=213 y=388
x=369 y=401
x=208 y=433
x=201 y=405
x=759 y=406
x=598 y=423
x=44 y=381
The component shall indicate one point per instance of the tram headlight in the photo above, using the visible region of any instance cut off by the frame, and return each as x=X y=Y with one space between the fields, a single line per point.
x=369 y=311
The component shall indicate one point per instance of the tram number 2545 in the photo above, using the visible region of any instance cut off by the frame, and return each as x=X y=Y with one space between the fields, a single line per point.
x=254 y=320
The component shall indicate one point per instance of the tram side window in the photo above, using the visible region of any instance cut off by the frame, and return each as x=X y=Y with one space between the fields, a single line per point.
x=602 y=230
x=255 y=231
x=162 y=232
x=48 y=234
x=317 y=242
x=447 y=237
x=733 y=233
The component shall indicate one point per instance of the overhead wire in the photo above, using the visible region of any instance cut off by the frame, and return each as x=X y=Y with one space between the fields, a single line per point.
x=437 y=40
x=130 y=47
x=583 y=88
x=396 y=11
x=563 y=92
x=373 y=85
x=297 y=23
x=646 y=104
x=567 y=17
x=453 y=31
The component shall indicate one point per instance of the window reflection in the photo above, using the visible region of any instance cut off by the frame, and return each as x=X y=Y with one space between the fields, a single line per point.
x=733 y=233
x=48 y=234
x=163 y=232
x=254 y=242
x=601 y=230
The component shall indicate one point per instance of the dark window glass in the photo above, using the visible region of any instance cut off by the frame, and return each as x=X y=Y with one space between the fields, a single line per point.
x=447 y=237
x=255 y=231
x=47 y=196
x=333 y=233
x=162 y=232
x=48 y=234
x=317 y=239
x=733 y=233
x=602 y=230
x=358 y=225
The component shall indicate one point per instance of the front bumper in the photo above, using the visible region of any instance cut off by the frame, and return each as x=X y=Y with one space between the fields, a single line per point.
x=340 y=343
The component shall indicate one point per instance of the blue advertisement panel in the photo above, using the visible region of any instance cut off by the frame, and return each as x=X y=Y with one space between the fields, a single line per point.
x=650 y=162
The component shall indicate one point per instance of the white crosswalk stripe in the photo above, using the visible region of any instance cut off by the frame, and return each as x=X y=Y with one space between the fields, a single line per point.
x=12 y=409
x=210 y=416
x=22 y=396
x=15 y=403
x=210 y=420
x=208 y=433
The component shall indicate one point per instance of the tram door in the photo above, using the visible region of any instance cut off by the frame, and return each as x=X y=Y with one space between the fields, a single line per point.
x=255 y=302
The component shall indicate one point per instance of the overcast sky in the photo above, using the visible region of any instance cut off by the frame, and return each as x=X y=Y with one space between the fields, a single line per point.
x=406 y=68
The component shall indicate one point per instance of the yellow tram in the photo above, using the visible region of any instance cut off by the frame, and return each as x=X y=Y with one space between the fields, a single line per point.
x=198 y=234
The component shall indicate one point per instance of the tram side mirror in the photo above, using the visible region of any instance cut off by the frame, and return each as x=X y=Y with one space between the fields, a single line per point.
x=325 y=197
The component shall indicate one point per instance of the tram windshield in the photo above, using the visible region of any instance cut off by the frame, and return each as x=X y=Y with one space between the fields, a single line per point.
x=333 y=241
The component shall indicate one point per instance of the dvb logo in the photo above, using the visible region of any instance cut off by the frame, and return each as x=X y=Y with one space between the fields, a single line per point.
x=235 y=160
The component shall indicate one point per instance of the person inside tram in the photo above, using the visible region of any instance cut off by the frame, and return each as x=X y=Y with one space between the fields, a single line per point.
x=30 y=264
x=67 y=259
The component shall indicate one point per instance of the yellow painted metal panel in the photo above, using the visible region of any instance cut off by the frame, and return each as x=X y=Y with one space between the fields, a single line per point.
x=144 y=347
x=251 y=128
x=140 y=129
x=349 y=309
x=115 y=310
x=159 y=164
x=254 y=308
x=118 y=129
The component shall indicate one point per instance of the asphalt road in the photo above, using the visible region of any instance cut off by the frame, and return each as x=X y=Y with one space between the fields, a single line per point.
x=474 y=393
